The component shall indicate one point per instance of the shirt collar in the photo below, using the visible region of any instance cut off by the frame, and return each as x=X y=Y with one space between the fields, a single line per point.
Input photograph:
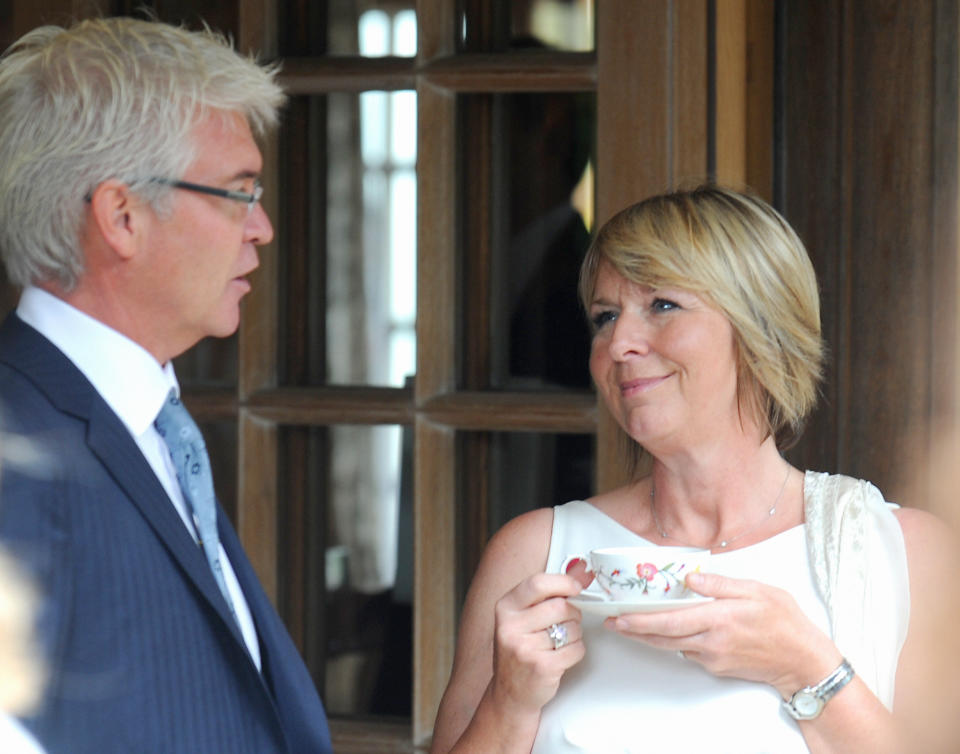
x=125 y=374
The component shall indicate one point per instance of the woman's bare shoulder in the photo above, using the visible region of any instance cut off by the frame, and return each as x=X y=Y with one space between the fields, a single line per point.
x=923 y=532
x=523 y=542
x=933 y=554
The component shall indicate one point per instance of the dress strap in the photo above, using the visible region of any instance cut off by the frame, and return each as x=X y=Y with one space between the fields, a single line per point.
x=859 y=567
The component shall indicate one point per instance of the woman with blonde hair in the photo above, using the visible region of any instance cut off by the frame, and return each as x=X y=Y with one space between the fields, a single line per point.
x=707 y=352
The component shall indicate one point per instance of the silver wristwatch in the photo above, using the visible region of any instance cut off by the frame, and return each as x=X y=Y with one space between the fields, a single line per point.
x=809 y=702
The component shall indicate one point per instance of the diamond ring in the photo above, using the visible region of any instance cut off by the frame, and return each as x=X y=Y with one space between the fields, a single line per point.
x=558 y=633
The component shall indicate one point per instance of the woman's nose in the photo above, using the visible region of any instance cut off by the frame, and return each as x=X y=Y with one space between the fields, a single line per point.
x=629 y=337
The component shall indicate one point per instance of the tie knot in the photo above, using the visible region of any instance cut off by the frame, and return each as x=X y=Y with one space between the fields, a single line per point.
x=175 y=424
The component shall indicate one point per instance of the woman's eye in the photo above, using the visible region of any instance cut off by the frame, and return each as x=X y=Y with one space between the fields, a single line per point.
x=664 y=305
x=601 y=318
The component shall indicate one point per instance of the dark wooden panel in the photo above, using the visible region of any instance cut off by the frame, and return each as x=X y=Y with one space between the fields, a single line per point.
x=888 y=118
x=810 y=171
x=868 y=104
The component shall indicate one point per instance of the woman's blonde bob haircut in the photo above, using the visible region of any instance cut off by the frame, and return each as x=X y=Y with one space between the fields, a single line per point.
x=740 y=255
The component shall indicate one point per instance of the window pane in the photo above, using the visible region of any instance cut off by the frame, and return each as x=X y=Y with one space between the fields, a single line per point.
x=210 y=363
x=533 y=470
x=348 y=262
x=533 y=151
x=504 y=474
x=372 y=28
x=560 y=24
x=347 y=511
x=566 y=25
x=371 y=238
x=221 y=440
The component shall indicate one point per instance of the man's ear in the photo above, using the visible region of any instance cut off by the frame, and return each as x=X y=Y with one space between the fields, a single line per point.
x=117 y=215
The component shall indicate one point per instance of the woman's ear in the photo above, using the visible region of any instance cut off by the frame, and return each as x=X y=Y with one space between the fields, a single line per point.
x=116 y=215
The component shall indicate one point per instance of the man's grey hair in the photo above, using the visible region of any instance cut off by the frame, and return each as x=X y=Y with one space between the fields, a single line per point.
x=113 y=98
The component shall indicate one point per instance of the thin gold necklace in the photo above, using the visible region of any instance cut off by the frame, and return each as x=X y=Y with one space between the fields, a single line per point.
x=723 y=542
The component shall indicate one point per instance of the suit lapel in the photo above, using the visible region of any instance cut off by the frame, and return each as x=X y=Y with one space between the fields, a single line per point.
x=107 y=437
x=110 y=441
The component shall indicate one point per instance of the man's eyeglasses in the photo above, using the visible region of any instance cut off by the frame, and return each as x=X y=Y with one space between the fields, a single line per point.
x=251 y=199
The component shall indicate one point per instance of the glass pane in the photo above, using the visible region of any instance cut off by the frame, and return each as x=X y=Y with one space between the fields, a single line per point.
x=348 y=264
x=565 y=25
x=504 y=474
x=347 y=512
x=534 y=151
x=221 y=440
x=533 y=470
x=371 y=238
x=210 y=363
x=372 y=28
x=560 y=24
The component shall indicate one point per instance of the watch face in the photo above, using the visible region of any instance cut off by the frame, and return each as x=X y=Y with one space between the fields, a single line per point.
x=807 y=704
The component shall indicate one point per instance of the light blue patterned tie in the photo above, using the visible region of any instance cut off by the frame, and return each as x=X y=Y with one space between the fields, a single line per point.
x=189 y=454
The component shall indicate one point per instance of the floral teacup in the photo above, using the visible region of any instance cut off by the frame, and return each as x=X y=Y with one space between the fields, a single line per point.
x=637 y=574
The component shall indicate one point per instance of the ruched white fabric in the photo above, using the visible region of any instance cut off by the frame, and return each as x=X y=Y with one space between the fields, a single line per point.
x=626 y=698
x=860 y=568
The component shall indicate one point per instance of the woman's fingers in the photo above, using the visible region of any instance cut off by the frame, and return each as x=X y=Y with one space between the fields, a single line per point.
x=540 y=587
x=563 y=634
x=537 y=636
x=578 y=570
x=715 y=585
x=750 y=630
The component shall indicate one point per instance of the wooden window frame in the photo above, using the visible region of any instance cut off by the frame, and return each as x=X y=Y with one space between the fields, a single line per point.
x=665 y=111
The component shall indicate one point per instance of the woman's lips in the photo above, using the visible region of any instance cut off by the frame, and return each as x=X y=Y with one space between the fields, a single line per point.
x=640 y=385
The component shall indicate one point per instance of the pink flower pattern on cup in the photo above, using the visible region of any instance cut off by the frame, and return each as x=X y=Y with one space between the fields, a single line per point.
x=645 y=571
x=649 y=581
x=640 y=574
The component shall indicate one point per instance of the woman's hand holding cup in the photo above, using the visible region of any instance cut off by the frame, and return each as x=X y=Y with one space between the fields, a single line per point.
x=530 y=656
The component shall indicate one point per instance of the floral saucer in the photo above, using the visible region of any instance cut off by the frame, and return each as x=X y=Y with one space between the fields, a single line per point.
x=599 y=605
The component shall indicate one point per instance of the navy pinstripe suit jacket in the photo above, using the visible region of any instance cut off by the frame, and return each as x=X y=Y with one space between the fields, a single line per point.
x=143 y=653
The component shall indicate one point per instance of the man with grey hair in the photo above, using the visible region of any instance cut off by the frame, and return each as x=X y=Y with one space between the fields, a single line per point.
x=130 y=216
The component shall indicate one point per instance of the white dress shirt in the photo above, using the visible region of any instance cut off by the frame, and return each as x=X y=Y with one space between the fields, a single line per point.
x=135 y=386
x=14 y=738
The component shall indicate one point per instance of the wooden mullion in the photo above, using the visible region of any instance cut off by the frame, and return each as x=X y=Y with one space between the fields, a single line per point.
x=689 y=122
x=302 y=76
x=633 y=144
x=518 y=71
x=495 y=411
x=759 y=86
x=434 y=613
x=481 y=72
x=731 y=94
x=513 y=412
x=257 y=349
x=334 y=405
x=651 y=106
x=475 y=182
x=257 y=27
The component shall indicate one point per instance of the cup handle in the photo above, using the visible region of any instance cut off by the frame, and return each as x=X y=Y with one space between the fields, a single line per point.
x=570 y=560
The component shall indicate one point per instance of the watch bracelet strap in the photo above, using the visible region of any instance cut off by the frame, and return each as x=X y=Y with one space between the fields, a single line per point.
x=823 y=691
x=830 y=685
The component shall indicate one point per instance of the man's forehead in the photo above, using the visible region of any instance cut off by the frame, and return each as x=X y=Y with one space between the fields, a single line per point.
x=225 y=147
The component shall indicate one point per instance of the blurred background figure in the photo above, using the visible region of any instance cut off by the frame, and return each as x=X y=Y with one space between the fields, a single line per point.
x=21 y=667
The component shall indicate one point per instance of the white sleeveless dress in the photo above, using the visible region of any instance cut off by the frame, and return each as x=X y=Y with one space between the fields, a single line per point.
x=627 y=698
